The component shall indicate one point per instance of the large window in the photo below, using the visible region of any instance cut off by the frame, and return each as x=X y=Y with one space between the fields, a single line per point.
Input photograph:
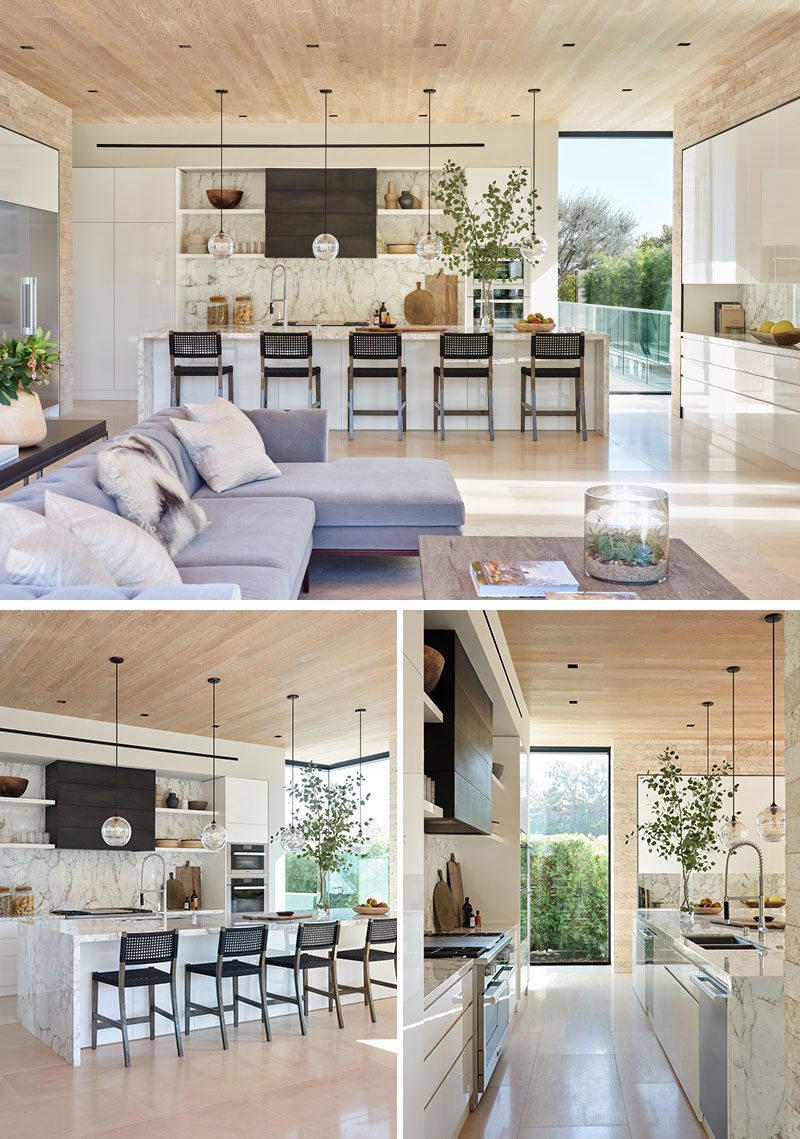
x=567 y=849
x=366 y=874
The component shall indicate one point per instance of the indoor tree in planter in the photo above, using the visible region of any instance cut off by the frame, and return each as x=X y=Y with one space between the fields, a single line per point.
x=327 y=814
x=24 y=365
x=687 y=811
x=486 y=234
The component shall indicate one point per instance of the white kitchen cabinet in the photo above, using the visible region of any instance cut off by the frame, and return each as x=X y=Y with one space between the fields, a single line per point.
x=93 y=315
x=92 y=194
x=246 y=809
x=678 y=1028
x=8 y=958
x=144 y=194
x=144 y=292
x=448 y=1069
x=28 y=172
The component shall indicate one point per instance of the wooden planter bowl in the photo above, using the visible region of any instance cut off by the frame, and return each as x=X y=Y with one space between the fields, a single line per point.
x=752 y=904
x=433 y=664
x=227 y=199
x=12 y=786
x=529 y=326
x=371 y=911
x=779 y=339
x=712 y=911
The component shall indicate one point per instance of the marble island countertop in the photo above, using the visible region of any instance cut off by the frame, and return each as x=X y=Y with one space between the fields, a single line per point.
x=739 y=338
x=729 y=968
x=192 y=923
x=439 y=972
x=325 y=331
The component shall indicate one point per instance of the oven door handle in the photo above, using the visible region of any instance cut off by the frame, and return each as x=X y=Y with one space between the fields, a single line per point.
x=498 y=996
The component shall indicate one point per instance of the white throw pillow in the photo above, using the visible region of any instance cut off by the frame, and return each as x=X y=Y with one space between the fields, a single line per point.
x=36 y=551
x=136 y=559
x=212 y=412
x=139 y=475
x=227 y=452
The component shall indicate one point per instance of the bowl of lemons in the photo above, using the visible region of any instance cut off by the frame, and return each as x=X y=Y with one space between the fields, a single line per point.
x=778 y=332
x=536 y=322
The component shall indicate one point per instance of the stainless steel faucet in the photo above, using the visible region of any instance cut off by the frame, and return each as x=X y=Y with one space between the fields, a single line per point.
x=726 y=913
x=284 y=300
x=162 y=891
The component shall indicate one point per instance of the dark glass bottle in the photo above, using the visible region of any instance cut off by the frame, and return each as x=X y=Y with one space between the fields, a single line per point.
x=467 y=911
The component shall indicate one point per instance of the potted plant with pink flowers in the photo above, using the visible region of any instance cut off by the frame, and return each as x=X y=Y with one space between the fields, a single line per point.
x=25 y=364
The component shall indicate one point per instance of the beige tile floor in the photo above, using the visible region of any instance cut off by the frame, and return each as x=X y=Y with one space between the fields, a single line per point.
x=582 y=1063
x=739 y=509
x=328 y=1085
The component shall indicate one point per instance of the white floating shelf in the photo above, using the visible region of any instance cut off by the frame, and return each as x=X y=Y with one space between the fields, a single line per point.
x=435 y=212
x=401 y=257
x=180 y=811
x=233 y=257
x=30 y=845
x=431 y=811
x=247 y=212
x=7 y=801
x=497 y=782
x=490 y=837
x=432 y=715
x=184 y=850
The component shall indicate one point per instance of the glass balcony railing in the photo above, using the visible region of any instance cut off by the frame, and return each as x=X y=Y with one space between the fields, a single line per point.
x=639 y=343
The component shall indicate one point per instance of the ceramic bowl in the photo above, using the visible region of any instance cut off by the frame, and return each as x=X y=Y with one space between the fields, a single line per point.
x=198 y=804
x=225 y=199
x=433 y=664
x=12 y=786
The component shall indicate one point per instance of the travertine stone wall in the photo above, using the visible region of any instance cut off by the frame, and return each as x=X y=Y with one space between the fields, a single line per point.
x=755 y=85
x=791 y=998
x=31 y=113
x=631 y=758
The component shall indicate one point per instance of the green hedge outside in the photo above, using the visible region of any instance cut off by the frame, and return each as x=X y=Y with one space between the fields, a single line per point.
x=569 y=898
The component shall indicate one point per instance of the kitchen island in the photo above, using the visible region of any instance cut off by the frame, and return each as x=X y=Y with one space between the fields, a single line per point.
x=56 y=958
x=240 y=347
x=718 y=1014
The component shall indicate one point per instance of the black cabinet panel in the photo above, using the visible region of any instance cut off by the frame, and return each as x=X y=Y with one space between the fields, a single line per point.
x=295 y=211
x=458 y=752
x=86 y=794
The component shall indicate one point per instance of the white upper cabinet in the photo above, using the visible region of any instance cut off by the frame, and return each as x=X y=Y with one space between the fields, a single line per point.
x=93 y=194
x=144 y=195
x=28 y=172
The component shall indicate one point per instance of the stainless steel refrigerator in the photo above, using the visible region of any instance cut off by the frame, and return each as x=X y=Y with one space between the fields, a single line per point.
x=29 y=279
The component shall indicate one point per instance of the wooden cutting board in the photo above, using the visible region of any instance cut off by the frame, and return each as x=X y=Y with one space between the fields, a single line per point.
x=456 y=886
x=175 y=893
x=189 y=878
x=753 y=924
x=444 y=289
x=444 y=910
x=419 y=306
x=404 y=328
x=274 y=917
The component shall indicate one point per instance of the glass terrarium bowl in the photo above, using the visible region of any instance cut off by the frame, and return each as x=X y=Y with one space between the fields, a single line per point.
x=626 y=534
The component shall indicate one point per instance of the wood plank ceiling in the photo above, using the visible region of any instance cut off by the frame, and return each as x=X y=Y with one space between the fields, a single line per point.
x=378 y=55
x=335 y=661
x=644 y=675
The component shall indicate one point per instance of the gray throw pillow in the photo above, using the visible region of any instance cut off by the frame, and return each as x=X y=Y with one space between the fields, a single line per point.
x=138 y=474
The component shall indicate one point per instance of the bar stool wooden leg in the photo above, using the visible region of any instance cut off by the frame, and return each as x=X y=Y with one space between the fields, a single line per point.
x=305 y=991
x=400 y=408
x=230 y=387
x=582 y=403
x=577 y=404
x=299 y=995
x=95 y=987
x=235 y=1002
x=221 y=1011
x=318 y=402
x=405 y=400
x=176 y=1021
x=368 y=990
x=334 y=986
x=264 y=387
x=123 y=1023
x=442 y=383
x=350 y=407
x=262 y=985
x=490 y=399
x=534 y=425
x=187 y=1000
x=310 y=384
x=151 y=991
x=522 y=400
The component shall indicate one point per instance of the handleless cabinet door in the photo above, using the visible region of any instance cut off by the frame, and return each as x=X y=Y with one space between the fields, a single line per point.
x=144 y=290
x=144 y=195
x=93 y=319
x=92 y=194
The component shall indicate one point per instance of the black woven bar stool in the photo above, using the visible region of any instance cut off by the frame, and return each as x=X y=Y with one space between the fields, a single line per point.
x=322 y=937
x=554 y=346
x=147 y=950
x=197 y=346
x=289 y=346
x=234 y=943
x=463 y=347
x=376 y=346
x=380 y=931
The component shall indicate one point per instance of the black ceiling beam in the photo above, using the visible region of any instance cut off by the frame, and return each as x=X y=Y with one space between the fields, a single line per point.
x=286 y=145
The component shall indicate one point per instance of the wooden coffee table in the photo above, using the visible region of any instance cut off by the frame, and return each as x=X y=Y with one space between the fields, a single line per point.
x=64 y=437
x=444 y=563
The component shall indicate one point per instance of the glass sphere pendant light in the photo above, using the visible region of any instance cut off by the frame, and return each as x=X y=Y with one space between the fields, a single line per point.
x=213 y=836
x=221 y=245
x=325 y=246
x=292 y=838
x=116 y=831
x=771 y=822
x=533 y=247
x=429 y=246
x=732 y=831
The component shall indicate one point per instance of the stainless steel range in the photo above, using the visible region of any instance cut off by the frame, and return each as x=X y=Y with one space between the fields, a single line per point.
x=494 y=981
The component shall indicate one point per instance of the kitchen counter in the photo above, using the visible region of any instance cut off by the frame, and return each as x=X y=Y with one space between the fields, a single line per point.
x=56 y=958
x=745 y=338
x=440 y=972
x=727 y=968
x=240 y=347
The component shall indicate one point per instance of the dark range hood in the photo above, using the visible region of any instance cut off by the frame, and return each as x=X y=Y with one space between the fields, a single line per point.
x=458 y=752
x=86 y=795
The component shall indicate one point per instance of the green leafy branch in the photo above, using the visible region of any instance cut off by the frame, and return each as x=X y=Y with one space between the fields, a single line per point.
x=24 y=363
x=327 y=815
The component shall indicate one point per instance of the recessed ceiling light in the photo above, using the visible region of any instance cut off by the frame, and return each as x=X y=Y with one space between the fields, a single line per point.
x=572 y=666
x=312 y=45
x=685 y=43
x=91 y=90
x=627 y=88
x=515 y=116
x=690 y=725
x=60 y=701
x=568 y=45
x=279 y=737
x=423 y=115
x=242 y=116
x=184 y=45
x=440 y=45
x=26 y=47
x=145 y=715
x=573 y=701
x=215 y=726
x=332 y=116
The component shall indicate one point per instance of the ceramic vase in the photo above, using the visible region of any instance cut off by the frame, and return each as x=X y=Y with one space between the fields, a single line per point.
x=406 y=200
x=23 y=422
x=390 y=197
x=172 y=800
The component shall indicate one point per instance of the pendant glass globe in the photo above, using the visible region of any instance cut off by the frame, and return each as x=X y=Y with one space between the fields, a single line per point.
x=732 y=831
x=213 y=836
x=325 y=247
x=771 y=824
x=116 y=831
x=221 y=245
x=429 y=247
x=293 y=840
x=533 y=248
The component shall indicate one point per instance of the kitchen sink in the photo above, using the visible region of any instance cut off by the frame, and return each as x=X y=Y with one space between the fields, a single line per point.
x=724 y=942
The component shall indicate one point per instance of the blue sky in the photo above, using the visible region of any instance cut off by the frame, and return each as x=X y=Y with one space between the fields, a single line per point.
x=636 y=173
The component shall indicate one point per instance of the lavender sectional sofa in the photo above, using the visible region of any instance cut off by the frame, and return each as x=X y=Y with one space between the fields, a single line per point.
x=261 y=535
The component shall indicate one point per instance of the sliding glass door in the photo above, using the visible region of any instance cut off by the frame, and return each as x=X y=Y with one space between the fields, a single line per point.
x=568 y=853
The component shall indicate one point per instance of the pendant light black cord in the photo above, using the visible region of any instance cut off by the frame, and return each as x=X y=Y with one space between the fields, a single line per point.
x=326 y=91
x=360 y=713
x=733 y=669
x=708 y=704
x=429 y=91
x=222 y=92
x=773 y=619
x=116 y=661
x=292 y=698
x=533 y=91
x=213 y=681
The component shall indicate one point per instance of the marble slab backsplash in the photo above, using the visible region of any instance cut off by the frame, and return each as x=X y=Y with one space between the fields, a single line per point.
x=438 y=848
x=665 y=889
x=78 y=878
x=341 y=291
x=770 y=302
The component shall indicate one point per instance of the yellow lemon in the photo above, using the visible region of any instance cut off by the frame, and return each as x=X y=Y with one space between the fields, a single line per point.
x=782 y=326
x=765 y=326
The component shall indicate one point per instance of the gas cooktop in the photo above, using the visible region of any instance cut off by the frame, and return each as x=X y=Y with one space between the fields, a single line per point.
x=463 y=944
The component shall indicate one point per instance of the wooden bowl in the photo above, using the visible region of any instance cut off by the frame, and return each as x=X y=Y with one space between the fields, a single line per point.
x=710 y=910
x=529 y=326
x=12 y=786
x=433 y=663
x=396 y=247
x=226 y=199
x=779 y=339
x=198 y=804
x=752 y=903
x=191 y=843
x=371 y=911
x=172 y=843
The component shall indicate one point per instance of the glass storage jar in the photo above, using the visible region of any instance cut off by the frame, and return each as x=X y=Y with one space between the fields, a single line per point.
x=626 y=534
x=217 y=312
x=243 y=311
x=23 y=901
x=6 y=904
